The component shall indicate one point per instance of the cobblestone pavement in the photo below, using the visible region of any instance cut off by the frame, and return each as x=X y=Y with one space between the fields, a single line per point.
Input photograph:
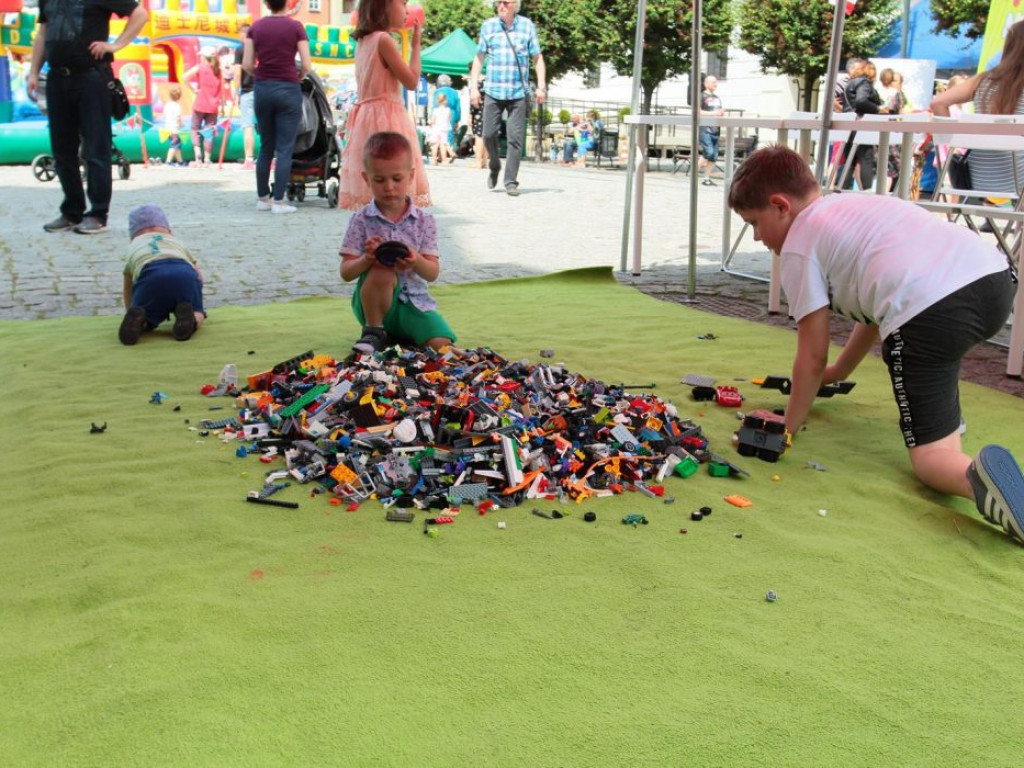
x=565 y=218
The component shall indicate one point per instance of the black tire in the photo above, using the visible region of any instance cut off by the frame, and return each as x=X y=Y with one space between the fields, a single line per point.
x=300 y=193
x=332 y=193
x=44 y=168
x=124 y=169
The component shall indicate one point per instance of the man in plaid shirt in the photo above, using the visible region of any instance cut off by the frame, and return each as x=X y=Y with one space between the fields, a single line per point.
x=507 y=42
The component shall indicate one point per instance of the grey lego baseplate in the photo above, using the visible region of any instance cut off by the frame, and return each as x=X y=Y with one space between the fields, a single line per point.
x=697 y=380
x=467 y=491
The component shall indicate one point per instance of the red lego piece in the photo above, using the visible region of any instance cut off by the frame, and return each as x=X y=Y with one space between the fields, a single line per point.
x=352 y=507
x=728 y=397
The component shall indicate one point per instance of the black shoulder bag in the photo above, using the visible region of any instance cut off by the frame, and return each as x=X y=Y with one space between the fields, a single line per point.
x=960 y=170
x=119 y=104
x=527 y=90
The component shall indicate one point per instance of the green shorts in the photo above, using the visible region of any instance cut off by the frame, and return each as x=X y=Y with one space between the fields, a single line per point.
x=404 y=322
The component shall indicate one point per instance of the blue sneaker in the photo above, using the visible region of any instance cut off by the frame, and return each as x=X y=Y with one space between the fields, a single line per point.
x=999 y=489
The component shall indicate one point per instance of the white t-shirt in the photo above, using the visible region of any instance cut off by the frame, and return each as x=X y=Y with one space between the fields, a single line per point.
x=878 y=259
x=172 y=116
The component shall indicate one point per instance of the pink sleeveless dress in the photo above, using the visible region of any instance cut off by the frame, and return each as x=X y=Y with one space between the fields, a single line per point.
x=379 y=108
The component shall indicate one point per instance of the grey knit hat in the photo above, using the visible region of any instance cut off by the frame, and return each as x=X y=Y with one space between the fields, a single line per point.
x=144 y=216
x=443 y=80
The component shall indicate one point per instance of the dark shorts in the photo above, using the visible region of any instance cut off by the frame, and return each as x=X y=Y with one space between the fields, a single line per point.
x=405 y=322
x=204 y=119
x=708 y=144
x=162 y=285
x=923 y=355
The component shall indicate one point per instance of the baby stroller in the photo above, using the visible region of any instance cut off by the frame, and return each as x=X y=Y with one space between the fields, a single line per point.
x=317 y=154
x=44 y=167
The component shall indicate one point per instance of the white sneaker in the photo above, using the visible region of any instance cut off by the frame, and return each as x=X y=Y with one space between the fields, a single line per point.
x=263 y=205
x=282 y=208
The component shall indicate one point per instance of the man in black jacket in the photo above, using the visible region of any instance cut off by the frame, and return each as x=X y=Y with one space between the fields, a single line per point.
x=72 y=36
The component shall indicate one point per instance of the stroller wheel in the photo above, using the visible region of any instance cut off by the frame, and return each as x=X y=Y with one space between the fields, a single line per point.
x=44 y=168
x=290 y=194
x=300 y=193
x=332 y=193
x=124 y=168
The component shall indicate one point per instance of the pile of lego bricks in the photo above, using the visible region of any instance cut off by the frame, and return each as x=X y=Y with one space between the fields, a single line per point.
x=426 y=429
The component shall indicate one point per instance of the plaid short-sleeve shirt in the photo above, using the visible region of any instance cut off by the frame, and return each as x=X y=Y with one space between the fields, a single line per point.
x=504 y=81
x=416 y=229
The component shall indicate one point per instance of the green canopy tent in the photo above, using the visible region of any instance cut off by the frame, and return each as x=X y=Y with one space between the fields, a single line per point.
x=450 y=56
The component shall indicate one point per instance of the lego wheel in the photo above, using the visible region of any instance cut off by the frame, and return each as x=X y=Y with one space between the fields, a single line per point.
x=332 y=193
x=300 y=193
x=44 y=168
x=124 y=168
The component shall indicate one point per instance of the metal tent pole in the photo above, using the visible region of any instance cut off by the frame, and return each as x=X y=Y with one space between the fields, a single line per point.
x=838 y=22
x=638 y=58
x=695 y=92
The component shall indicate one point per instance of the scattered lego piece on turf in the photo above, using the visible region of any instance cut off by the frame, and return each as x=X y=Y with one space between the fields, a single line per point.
x=785 y=385
x=817 y=467
x=95 y=429
x=739 y=501
x=707 y=337
x=697 y=380
x=635 y=520
x=159 y=398
x=767 y=439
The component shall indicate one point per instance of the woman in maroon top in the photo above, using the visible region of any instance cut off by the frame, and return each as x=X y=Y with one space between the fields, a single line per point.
x=269 y=55
x=207 y=103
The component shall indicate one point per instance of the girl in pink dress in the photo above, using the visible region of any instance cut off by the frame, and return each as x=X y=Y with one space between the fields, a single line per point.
x=380 y=70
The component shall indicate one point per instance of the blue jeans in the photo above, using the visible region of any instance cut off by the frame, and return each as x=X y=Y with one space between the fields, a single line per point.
x=79 y=113
x=278 y=110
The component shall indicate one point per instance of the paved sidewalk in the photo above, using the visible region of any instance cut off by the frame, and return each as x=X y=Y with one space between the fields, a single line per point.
x=565 y=218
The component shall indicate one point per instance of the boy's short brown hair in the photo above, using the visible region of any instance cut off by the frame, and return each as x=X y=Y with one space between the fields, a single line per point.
x=770 y=171
x=174 y=91
x=385 y=145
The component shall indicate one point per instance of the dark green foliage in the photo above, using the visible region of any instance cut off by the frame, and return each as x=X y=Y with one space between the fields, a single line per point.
x=794 y=37
x=950 y=14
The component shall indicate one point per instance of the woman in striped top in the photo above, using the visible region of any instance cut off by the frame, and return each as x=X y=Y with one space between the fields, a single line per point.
x=999 y=91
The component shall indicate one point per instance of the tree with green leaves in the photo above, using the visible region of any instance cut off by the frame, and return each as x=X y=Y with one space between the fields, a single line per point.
x=949 y=15
x=566 y=33
x=442 y=17
x=794 y=37
x=667 y=38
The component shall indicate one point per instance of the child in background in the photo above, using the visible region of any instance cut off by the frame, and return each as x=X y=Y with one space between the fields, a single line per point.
x=207 y=104
x=930 y=289
x=161 y=277
x=440 y=130
x=172 y=124
x=380 y=70
x=392 y=302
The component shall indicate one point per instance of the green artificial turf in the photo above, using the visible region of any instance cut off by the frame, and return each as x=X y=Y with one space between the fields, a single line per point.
x=150 y=617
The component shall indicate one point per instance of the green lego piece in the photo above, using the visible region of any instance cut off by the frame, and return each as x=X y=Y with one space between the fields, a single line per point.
x=686 y=467
x=717 y=469
x=312 y=394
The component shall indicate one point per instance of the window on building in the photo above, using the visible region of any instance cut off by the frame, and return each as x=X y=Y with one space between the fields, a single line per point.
x=718 y=64
x=314 y=6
